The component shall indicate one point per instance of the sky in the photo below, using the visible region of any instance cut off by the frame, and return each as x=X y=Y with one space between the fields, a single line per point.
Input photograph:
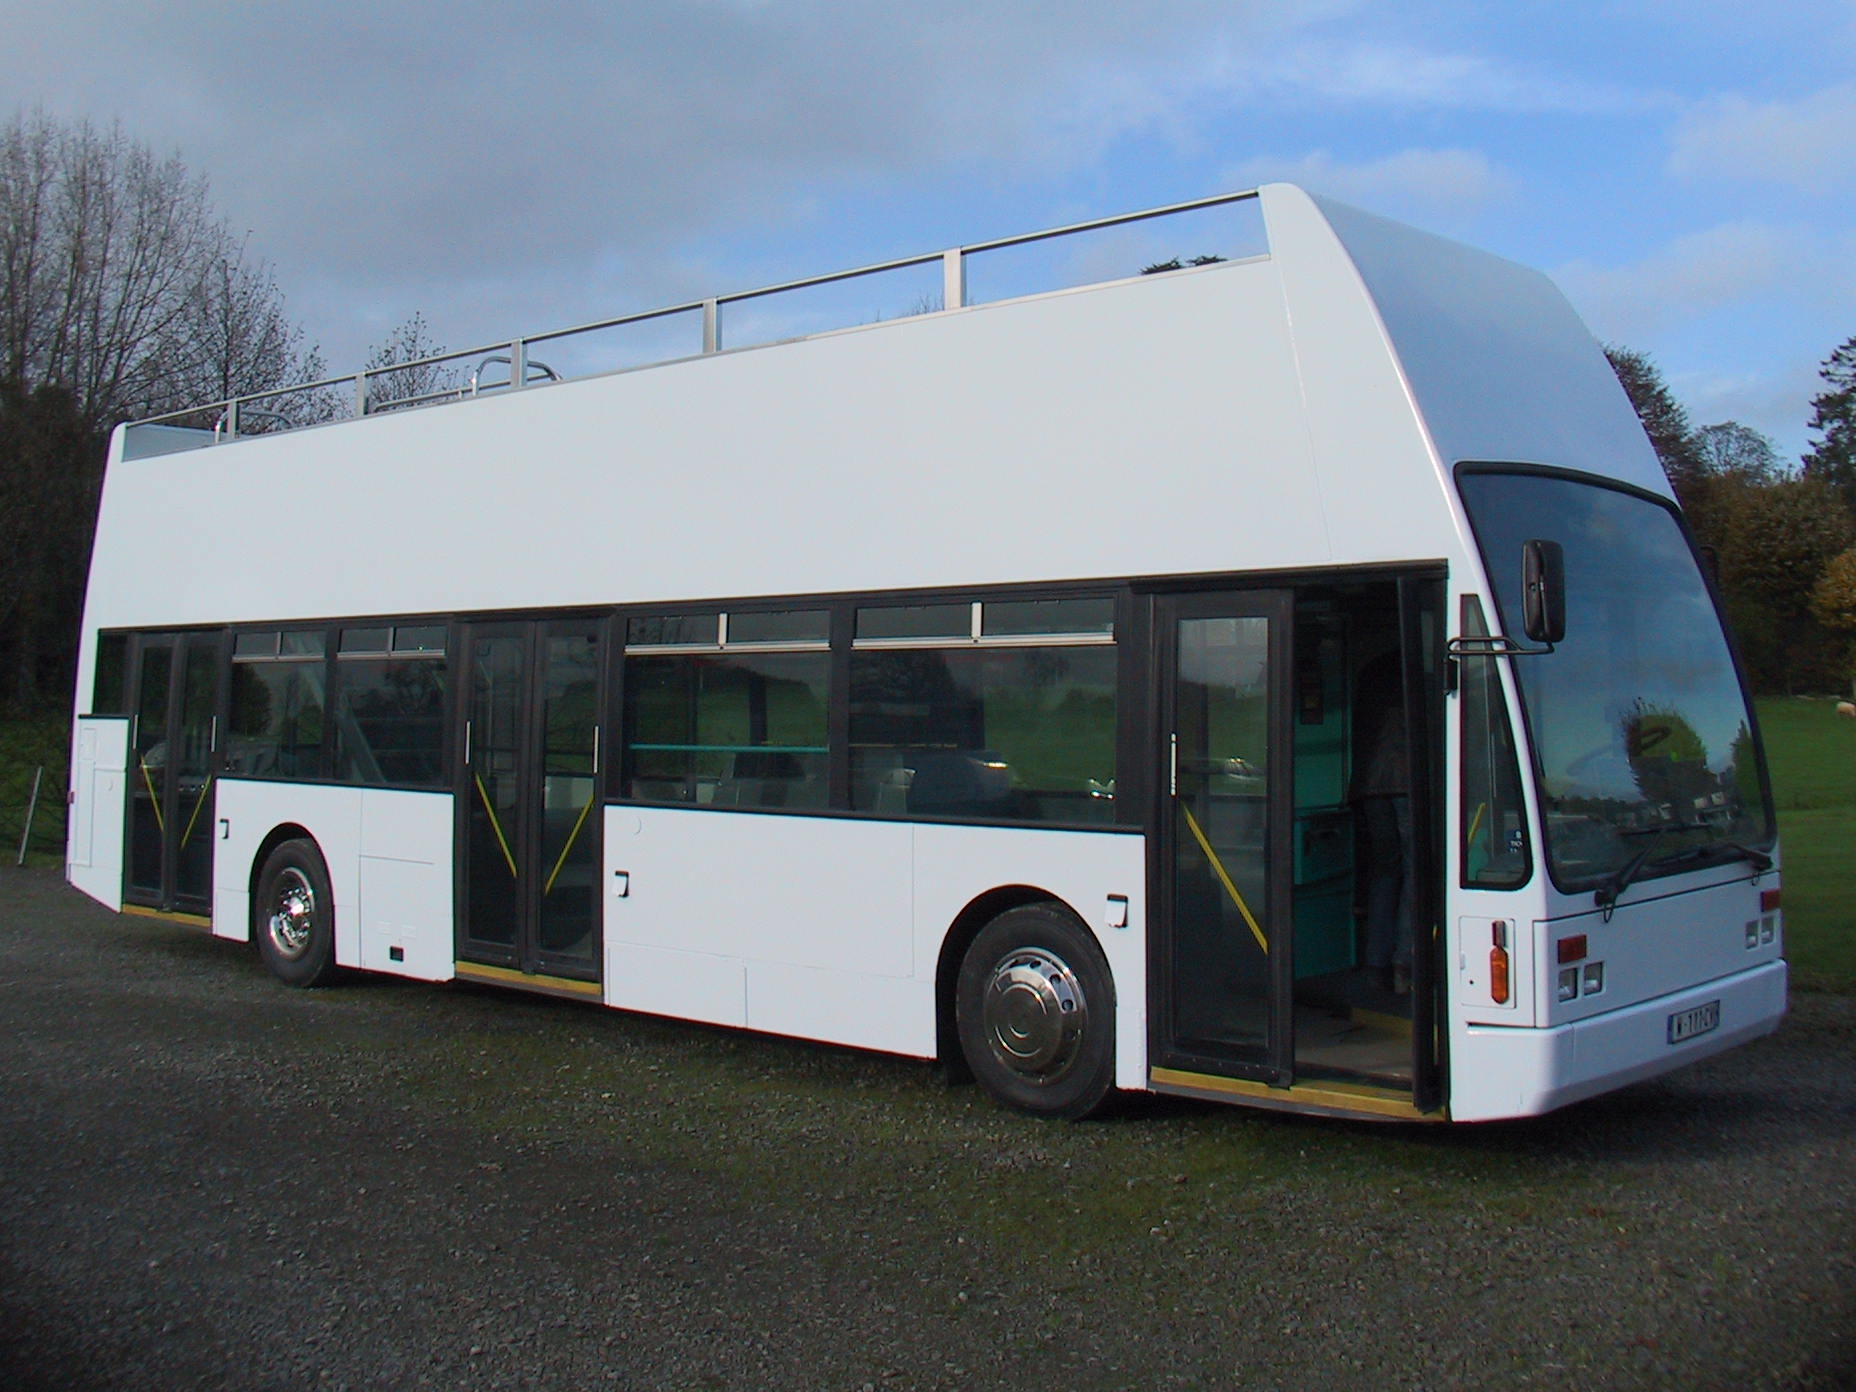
x=1684 y=169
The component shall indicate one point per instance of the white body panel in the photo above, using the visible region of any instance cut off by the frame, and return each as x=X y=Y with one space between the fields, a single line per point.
x=1662 y=938
x=388 y=854
x=98 y=807
x=1523 y=1072
x=1082 y=869
x=831 y=928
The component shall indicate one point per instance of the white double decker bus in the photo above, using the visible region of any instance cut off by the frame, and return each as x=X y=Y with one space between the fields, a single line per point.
x=1281 y=679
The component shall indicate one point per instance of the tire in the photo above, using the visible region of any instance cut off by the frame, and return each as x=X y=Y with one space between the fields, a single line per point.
x=293 y=916
x=1035 y=1009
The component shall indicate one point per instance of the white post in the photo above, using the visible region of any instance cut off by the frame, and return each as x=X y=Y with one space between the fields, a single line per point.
x=953 y=279
x=31 y=808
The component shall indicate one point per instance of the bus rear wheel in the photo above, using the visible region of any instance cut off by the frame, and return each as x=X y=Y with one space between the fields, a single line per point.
x=1035 y=1008
x=293 y=915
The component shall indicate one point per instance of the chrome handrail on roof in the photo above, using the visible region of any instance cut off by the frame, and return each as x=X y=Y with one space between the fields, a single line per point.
x=228 y=414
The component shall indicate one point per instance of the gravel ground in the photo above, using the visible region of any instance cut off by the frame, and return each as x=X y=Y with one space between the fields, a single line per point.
x=210 y=1181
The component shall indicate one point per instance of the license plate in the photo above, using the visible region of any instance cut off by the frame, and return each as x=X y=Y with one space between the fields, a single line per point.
x=1686 y=1024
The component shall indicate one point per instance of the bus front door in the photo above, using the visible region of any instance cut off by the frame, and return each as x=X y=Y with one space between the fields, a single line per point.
x=528 y=801
x=1226 y=791
x=175 y=681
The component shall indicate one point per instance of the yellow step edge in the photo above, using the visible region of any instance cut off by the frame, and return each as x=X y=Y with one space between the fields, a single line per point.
x=531 y=981
x=1332 y=1098
x=169 y=915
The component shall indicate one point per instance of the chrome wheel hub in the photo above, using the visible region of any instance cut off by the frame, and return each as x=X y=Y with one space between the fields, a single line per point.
x=293 y=915
x=1034 y=1014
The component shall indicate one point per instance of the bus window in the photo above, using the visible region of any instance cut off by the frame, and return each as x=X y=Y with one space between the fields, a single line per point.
x=277 y=725
x=390 y=708
x=1016 y=734
x=737 y=729
x=109 y=695
x=1494 y=823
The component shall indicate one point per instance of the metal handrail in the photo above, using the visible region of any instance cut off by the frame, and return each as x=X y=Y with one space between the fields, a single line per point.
x=529 y=366
x=514 y=352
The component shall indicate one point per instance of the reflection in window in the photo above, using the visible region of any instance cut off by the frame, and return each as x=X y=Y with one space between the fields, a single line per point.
x=739 y=729
x=1494 y=821
x=110 y=694
x=1001 y=733
x=1643 y=742
x=277 y=723
x=389 y=721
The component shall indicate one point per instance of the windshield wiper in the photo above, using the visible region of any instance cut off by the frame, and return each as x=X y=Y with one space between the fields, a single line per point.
x=1619 y=880
x=1607 y=894
x=1723 y=851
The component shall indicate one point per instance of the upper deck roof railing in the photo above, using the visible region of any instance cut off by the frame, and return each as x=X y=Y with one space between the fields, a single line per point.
x=429 y=380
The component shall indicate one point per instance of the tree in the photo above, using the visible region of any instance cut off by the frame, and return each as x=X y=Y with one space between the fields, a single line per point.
x=410 y=342
x=1833 y=602
x=1833 y=417
x=1160 y=267
x=1664 y=419
x=1733 y=450
x=41 y=576
x=238 y=341
x=1833 y=599
x=122 y=294
x=1730 y=459
x=1775 y=543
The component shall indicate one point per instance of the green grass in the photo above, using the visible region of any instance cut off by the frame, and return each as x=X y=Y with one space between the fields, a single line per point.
x=26 y=744
x=1813 y=754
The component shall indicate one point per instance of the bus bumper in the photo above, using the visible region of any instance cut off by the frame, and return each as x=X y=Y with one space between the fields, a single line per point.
x=1524 y=1072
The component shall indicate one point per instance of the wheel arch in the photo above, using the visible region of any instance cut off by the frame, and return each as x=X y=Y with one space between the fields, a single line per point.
x=275 y=837
x=980 y=911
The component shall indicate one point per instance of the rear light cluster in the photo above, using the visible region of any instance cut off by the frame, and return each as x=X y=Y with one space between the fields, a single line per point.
x=1499 y=987
x=1762 y=931
x=1577 y=977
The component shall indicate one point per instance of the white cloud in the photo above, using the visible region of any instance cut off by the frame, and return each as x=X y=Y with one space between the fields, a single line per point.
x=1425 y=186
x=426 y=152
x=1688 y=277
x=1774 y=401
x=1405 y=75
x=1738 y=315
x=1809 y=143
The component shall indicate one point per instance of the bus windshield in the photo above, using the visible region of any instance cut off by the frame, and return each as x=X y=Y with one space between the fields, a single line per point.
x=1643 y=744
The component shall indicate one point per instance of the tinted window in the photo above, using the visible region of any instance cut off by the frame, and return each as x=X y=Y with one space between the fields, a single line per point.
x=365 y=640
x=390 y=721
x=780 y=626
x=916 y=621
x=108 y=693
x=1023 y=618
x=672 y=630
x=737 y=729
x=999 y=733
x=1643 y=741
x=277 y=720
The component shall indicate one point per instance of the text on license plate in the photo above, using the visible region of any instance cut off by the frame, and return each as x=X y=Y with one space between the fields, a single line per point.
x=1686 y=1024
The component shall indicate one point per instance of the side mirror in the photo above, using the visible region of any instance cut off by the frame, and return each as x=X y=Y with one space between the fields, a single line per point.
x=1543 y=590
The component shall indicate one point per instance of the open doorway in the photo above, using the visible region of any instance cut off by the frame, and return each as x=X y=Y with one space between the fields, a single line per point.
x=1297 y=880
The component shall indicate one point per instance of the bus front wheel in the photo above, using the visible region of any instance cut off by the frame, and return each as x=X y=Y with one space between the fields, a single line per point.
x=293 y=915
x=1035 y=1006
